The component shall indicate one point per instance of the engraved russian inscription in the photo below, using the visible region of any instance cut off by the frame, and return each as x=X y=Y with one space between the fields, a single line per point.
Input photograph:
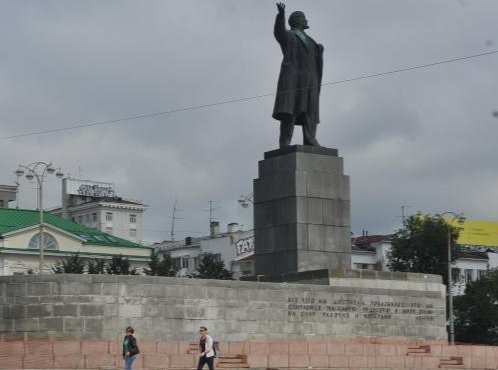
x=345 y=308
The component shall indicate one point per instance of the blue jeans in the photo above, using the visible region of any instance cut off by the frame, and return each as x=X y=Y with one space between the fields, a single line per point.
x=129 y=361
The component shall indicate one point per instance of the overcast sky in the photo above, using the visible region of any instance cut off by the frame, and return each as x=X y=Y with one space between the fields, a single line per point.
x=424 y=138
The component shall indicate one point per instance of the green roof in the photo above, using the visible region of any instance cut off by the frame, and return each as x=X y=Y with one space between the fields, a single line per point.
x=15 y=219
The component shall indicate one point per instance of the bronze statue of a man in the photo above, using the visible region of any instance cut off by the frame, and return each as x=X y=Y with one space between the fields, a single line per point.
x=298 y=91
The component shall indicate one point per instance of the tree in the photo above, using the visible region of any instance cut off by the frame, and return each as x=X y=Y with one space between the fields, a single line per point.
x=70 y=265
x=212 y=268
x=160 y=267
x=476 y=311
x=421 y=245
x=120 y=266
x=96 y=267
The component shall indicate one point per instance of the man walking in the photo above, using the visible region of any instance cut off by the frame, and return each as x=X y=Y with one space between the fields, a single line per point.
x=206 y=354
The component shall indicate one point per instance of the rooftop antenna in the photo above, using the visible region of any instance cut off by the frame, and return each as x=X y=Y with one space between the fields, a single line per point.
x=173 y=219
x=403 y=217
x=18 y=184
x=211 y=212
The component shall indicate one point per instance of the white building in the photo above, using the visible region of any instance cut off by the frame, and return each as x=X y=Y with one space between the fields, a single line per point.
x=370 y=252
x=7 y=194
x=234 y=247
x=95 y=204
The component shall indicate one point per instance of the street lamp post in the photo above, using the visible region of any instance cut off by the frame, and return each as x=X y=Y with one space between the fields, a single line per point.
x=38 y=170
x=460 y=218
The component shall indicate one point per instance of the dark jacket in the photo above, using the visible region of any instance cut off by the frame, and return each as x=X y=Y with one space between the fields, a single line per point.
x=133 y=345
x=300 y=74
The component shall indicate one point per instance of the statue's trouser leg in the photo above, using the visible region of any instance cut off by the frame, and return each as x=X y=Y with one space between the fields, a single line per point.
x=309 y=133
x=286 y=131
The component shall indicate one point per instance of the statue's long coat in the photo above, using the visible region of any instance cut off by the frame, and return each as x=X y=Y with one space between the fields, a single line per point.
x=299 y=82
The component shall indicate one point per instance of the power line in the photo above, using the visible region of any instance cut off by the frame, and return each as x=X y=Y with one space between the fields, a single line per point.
x=237 y=100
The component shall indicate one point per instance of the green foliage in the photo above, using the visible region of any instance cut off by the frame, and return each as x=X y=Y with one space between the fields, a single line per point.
x=71 y=265
x=476 y=312
x=120 y=266
x=96 y=266
x=211 y=268
x=160 y=267
x=75 y=265
x=422 y=246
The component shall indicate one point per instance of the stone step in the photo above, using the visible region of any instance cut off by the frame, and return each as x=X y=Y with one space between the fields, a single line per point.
x=452 y=361
x=232 y=366
x=225 y=360
x=242 y=357
x=418 y=349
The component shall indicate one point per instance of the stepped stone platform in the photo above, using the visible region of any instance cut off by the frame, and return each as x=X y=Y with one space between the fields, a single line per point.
x=351 y=354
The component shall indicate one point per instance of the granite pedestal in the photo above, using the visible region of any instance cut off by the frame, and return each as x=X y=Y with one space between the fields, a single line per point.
x=301 y=211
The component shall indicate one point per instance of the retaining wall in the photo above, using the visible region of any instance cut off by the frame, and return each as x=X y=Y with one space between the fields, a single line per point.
x=172 y=309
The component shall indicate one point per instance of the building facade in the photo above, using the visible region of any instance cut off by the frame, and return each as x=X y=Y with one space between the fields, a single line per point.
x=235 y=248
x=8 y=193
x=20 y=243
x=370 y=252
x=95 y=204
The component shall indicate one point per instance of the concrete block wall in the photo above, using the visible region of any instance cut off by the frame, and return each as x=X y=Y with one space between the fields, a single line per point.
x=172 y=309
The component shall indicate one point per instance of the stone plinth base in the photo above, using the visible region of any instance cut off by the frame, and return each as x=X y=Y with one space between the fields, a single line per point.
x=301 y=211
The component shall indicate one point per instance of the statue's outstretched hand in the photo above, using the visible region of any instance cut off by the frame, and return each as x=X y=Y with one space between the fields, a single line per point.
x=281 y=8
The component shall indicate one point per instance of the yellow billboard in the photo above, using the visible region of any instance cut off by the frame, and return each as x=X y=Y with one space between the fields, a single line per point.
x=474 y=232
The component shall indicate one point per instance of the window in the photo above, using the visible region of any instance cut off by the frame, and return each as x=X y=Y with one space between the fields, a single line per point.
x=133 y=233
x=217 y=257
x=1 y=203
x=49 y=242
x=87 y=217
x=94 y=217
x=481 y=274
x=363 y=266
x=80 y=219
x=108 y=216
x=108 y=230
x=133 y=219
x=180 y=262
x=197 y=261
x=455 y=274
x=468 y=275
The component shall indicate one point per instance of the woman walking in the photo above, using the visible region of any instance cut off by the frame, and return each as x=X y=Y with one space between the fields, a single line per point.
x=130 y=348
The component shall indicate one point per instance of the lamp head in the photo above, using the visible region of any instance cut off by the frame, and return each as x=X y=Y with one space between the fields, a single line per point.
x=19 y=172
x=50 y=169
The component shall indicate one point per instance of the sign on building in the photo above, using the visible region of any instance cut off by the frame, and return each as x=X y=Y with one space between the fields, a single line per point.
x=90 y=188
